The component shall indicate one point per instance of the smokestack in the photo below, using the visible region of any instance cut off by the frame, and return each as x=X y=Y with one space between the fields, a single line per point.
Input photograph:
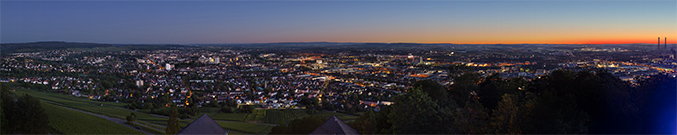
x=666 y=45
x=659 y=45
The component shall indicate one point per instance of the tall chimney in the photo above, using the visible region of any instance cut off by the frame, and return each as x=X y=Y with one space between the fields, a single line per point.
x=666 y=45
x=659 y=45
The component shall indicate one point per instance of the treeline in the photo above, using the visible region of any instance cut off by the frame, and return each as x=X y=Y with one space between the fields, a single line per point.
x=564 y=102
x=230 y=106
x=191 y=109
x=591 y=101
x=7 y=48
x=22 y=115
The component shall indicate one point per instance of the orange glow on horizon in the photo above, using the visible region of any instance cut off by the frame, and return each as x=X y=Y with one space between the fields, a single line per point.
x=572 y=42
x=486 y=35
x=628 y=41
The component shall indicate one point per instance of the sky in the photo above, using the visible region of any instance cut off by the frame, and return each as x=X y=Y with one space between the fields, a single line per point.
x=266 y=21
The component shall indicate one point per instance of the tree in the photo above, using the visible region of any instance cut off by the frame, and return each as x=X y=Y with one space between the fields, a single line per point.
x=194 y=109
x=131 y=118
x=606 y=99
x=656 y=98
x=23 y=115
x=280 y=94
x=10 y=112
x=415 y=112
x=3 y=121
x=472 y=119
x=372 y=122
x=365 y=124
x=457 y=69
x=173 y=123
x=463 y=86
x=247 y=108
x=33 y=119
x=227 y=109
x=491 y=90
x=292 y=93
x=554 y=114
x=305 y=101
x=507 y=116
x=436 y=92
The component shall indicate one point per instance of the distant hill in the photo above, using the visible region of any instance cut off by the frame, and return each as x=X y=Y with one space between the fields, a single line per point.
x=8 y=48
x=284 y=45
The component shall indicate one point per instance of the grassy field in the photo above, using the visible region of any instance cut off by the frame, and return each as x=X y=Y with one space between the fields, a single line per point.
x=108 y=108
x=271 y=116
x=344 y=117
x=228 y=116
x=210 y=110
x=256 y=116
x=153 y=131
x=275 y=116
x=291 y=114
x=245 y=127
x=216 y=115
x=62 y=97
x=66 y=121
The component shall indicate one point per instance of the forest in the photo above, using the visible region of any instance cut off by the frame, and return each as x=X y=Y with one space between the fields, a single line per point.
x=565 y=102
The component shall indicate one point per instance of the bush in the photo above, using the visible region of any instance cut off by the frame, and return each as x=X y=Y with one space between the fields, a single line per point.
x=227 y=109
x=131 y=118
x=184 y=116
x=246 y=109
x=159 y=112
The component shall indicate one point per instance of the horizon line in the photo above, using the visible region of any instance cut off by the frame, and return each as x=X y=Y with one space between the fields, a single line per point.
x=348 y=43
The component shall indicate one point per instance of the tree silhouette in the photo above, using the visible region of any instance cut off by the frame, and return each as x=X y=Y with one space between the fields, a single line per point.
x=23 y=115
x=416 y=112
x=173 y=123
x=472 y=118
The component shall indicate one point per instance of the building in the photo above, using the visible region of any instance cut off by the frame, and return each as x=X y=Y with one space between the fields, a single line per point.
x=334 y=126
x=169 y=66
x=203 y=125
x=139 y=83
x=6 y=80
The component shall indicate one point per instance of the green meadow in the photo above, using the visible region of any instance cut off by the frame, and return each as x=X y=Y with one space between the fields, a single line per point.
x=65 y=121
x=260 y=121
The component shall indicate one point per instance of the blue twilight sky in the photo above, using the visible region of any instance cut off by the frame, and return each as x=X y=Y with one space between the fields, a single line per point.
x=454 y=21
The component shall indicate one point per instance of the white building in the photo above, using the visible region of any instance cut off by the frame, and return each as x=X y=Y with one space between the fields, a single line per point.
x=169 y=66
x=139 y=83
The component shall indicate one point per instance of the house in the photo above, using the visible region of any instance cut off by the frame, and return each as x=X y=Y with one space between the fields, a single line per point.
x=369 y=103
x=334 y=126
x=203 y=125
x=6 y=80
x=385 y=103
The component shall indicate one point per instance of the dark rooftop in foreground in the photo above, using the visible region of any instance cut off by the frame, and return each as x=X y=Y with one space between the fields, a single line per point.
x=203 y=125
x=334 y=126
